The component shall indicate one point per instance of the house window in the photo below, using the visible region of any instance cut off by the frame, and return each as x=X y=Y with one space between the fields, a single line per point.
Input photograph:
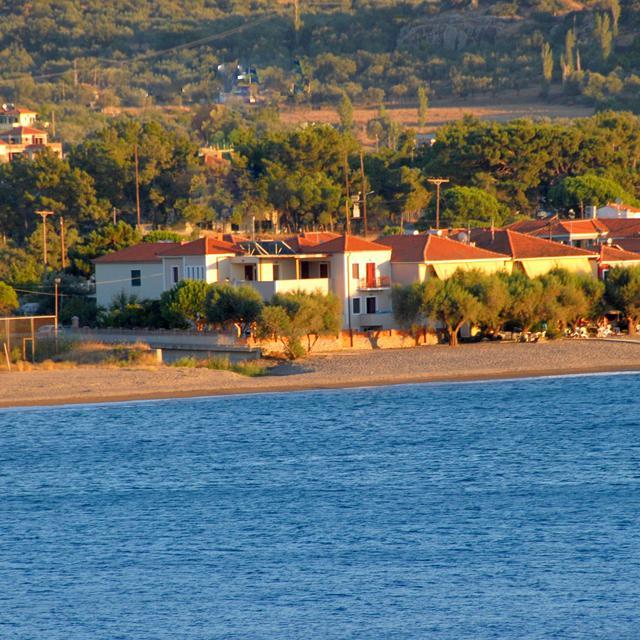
x=356 y=306
x=371 y=305
x=249 y=272
x=136 y=278
x=355 y=271
x=174 y=275
x=276 y=272
x=304 y=270
x=324 y=269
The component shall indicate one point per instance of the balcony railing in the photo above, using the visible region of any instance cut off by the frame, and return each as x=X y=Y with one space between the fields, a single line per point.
x=380 y=282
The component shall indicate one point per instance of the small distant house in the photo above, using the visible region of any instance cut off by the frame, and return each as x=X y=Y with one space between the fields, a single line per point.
x=536 y=256
x=419 y=257
x=586 y=234
x=618 y=210
x=12 y=116
x=615 y=256
x=25 y=141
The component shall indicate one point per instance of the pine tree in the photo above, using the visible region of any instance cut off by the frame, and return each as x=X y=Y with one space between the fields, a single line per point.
x=614 y=6
x=345 y=113
x=569 y=46
x=603 y=34
x=423 y=106
x=546 y=55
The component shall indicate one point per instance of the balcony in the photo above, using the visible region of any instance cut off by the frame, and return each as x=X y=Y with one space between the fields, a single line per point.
x=371 y=284
x=268 y=288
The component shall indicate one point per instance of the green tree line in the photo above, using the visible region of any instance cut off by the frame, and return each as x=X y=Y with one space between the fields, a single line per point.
x=558 y=300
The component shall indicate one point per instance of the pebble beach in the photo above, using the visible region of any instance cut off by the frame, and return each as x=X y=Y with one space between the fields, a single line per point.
x=90 y=384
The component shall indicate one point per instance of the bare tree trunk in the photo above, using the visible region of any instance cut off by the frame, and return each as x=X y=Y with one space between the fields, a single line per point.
x=632 y=326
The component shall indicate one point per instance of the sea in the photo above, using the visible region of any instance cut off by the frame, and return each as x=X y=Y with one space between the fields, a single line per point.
x=499 y=509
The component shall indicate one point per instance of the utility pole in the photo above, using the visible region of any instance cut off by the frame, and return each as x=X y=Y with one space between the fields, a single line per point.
x=63 y=249
x=44 y=214
x=296 y=16
x=438 y=182
x=363 y=186
x=115 y=214
x=346 y=201
x=56 y=284
x=75 y=73
x=135 y=155
x=53 y=124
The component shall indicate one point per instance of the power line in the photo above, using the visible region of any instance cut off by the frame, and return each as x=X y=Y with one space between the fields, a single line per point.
x=146 y=56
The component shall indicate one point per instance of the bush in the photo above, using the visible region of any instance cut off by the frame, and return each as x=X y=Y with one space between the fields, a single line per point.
x=84 y=308
x=8 y=299
x=245 y=368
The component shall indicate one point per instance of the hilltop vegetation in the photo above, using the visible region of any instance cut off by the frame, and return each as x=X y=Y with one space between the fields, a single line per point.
x=111 y=52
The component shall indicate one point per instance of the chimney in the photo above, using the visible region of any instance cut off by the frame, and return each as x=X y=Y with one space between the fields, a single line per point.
x=590 y=212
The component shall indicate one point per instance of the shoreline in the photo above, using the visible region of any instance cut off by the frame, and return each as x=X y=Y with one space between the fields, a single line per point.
x=270 y=385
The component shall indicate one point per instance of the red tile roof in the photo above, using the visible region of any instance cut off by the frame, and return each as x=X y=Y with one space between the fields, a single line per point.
x=521 y=246
x=528 y=226
x=346 y=243
x=144 y=252
x=314 y=238
x=200 y=247
x=434 y=248
x=613 y=253
x=621 y=227
x=629 y=244
x=23 y=130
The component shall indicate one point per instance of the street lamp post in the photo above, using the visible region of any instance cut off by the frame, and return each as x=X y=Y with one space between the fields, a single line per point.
x=438 y=182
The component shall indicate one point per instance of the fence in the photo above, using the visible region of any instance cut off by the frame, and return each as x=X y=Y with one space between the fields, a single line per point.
x=22 y=333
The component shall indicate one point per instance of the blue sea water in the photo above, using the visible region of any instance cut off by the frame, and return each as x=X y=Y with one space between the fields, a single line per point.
x=486 y=510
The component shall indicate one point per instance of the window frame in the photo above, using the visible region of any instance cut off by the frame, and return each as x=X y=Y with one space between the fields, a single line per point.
x=136 y=280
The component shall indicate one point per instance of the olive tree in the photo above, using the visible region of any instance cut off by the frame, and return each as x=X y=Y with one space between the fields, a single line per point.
x=229 y=305
x=622 y=292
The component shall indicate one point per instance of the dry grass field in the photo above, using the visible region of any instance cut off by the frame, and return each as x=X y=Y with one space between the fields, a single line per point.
x=501 y=108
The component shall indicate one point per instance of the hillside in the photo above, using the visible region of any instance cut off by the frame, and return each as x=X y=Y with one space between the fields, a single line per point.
x=109 y=52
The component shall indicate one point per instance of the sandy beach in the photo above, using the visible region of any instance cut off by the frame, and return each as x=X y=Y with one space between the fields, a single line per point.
x=87 y=384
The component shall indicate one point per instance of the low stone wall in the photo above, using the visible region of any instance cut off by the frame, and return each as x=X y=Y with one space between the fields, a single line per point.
x=357 y=340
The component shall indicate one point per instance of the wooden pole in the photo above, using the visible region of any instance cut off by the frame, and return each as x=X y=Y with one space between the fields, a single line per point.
x=346 y=202
x=63 y=250
x=364 y=194
x=6 y=355
x=135 y=155
x=438 y=182
x=44 y=214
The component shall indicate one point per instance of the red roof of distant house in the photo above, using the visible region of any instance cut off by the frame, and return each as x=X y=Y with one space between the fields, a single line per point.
x=200 y=247
x=528 y=226
x=613 y=253
x=144 y=252
x=347 y=243
x=621 y=227
x=18 y=110
x=23 y=130
x=629 y=244
x=314 y=238
x=521 y=246
x=434 y=248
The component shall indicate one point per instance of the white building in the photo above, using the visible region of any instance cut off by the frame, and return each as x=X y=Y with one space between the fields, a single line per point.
x=356 y=270
x=134 y=271
x=618 y=210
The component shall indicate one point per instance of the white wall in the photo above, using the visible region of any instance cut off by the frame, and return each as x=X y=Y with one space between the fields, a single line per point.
x=612 y=212
x=115 y=278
